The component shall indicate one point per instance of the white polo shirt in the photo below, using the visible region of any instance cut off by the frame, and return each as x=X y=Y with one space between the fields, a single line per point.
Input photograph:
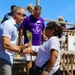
x=44 y=54
x=9 y=30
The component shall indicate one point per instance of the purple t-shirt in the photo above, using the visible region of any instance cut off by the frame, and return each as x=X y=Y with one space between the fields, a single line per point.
x=35 y=26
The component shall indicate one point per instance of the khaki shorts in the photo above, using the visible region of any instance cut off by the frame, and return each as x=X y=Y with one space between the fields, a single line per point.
x=32 y=58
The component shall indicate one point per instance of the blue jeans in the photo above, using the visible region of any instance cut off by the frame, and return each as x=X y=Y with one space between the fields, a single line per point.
x=5 y=67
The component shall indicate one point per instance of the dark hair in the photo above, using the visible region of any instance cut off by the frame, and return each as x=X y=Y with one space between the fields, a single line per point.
x=12 y=7
x=37 y=7
x=57 y=29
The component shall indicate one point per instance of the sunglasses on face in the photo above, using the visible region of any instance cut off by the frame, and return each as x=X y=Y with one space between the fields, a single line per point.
x=23 y=15
x=38 y=13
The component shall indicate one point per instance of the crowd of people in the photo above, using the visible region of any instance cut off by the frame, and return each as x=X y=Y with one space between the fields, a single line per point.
x=16 y=21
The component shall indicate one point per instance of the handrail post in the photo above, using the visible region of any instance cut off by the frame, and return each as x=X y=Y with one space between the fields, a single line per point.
x=37 y=2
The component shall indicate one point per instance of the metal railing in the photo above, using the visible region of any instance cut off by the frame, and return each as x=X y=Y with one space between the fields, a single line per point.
x=67 y=23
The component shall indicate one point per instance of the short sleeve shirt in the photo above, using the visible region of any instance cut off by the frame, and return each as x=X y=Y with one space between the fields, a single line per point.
x=44 y=53
x=9 y=30
x=35 y=26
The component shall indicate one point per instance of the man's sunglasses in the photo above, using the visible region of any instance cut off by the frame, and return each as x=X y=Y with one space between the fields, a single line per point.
x=38 y=13
x=23 y=15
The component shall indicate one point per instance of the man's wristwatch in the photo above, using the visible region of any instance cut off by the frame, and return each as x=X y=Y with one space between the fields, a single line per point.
x=21 y=50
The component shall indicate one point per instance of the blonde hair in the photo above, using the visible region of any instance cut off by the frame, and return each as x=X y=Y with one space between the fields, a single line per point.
x=30 y=6
x=60 y=17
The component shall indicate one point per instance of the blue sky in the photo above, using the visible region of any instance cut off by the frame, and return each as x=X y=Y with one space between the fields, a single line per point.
x=51 y=9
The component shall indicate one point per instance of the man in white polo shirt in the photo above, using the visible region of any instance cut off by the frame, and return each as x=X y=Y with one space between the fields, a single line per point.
x=8 y=41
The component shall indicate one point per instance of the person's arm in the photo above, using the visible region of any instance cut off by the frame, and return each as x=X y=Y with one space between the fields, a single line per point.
x=22 y=32
x=52 y=60
x=20 y=36
x=43 y=33
x=5 y=18
x=8 y=45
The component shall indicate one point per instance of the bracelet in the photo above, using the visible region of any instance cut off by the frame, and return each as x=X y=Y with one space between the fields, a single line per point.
x=21 y=50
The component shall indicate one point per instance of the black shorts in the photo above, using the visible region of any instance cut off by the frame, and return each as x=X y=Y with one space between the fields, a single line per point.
x=57 y=72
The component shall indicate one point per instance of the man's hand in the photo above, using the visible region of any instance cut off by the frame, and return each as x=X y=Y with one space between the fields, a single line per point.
x=26 y=45
x=27 y=50
x=33 y=53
